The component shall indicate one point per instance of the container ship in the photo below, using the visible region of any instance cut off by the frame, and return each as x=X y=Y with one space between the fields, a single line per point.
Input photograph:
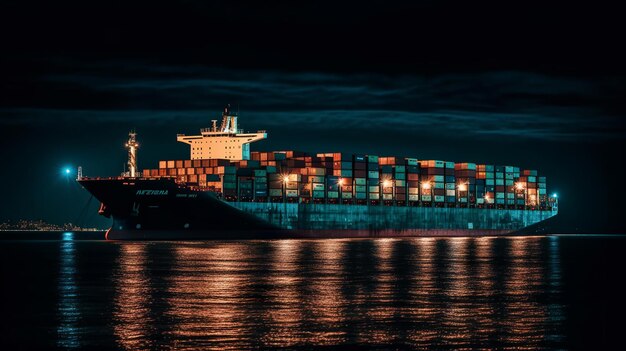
x=226 y=191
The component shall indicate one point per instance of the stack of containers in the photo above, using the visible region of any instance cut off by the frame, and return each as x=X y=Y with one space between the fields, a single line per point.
x=229 y=181
x=344 y=170
x=292 y=187
x=314 y=179
x=465 y=174
x=542 y=192
x=521 y=192
x=509 y=185
x=333 y=165
x=480 y=193
x=487 y=172
x=394 y=170
x=332 y=188
x=260 y=185
x=432 y=174
x=373 y=174
x=214 y=182
x=412 y=181
x=531 y=191
x=392 y=179
x=500 y=188
x=185 y=169
x=399 y=174
x=275 y=187
x=245 y=184
x=450 y=183
x=359 y=181
x=386 y=181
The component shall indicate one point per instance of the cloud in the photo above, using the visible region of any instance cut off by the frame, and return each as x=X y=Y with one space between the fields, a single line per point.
x=502 y=103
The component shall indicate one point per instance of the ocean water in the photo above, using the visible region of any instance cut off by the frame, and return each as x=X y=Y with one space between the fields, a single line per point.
x=69 y=291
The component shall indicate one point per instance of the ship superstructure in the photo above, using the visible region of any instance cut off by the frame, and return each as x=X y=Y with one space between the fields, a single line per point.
x=226 y=142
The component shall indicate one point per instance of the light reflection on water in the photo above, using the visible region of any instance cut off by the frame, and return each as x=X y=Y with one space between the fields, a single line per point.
x=68 y=310
x=131 y=301
x=423 y=292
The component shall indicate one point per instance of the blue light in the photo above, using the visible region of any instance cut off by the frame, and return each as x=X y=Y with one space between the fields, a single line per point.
x=554 y=195
x=68 y=236
x=67 y=171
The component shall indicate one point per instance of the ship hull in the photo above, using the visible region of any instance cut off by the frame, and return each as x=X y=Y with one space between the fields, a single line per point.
x=162 y=210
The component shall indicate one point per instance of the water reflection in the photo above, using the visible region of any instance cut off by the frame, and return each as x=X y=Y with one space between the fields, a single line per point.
x=131 y=313
x=68 y=311
x=208 y=295
x=424 y=292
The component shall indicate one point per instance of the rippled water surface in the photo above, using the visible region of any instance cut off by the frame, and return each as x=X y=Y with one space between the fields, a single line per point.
x=454 y=293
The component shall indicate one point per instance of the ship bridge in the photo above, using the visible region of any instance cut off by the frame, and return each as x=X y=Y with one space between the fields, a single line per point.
x=226 y=142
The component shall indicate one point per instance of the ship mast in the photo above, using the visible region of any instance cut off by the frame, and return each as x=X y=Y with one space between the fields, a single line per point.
x=132 y=145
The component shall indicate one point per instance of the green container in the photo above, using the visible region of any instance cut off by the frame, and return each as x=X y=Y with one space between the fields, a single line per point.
x=318 y=186
x=412 y=162
x=372 y=158
x=317 y=179
x=318 y=194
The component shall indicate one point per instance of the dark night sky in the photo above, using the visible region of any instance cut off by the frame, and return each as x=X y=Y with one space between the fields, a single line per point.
x=516 y=83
